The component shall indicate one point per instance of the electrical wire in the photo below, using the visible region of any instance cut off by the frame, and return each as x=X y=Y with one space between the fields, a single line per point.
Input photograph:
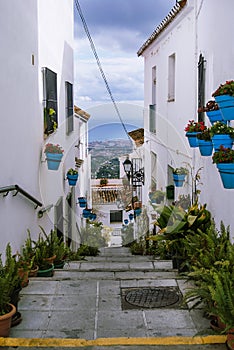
x=99 y=65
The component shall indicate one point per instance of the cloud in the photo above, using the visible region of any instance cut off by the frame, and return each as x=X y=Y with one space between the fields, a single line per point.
x=118 y=29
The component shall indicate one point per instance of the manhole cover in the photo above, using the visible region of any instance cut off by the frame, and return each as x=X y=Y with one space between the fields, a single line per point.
x=150 y=297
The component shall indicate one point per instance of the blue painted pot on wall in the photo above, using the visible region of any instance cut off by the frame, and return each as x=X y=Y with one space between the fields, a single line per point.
x=215 y=116
x=137 y=211
x=179 y=179
x=72 y=179
x=192 y=138
x=82 y=202
x=205 y=147
x=226 y=105
x=222 y=139
x=226 y=171
x=53 y=160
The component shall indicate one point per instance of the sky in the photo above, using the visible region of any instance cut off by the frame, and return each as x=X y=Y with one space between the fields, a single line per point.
x=118 y=29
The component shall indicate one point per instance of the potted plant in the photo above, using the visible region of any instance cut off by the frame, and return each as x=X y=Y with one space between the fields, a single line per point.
x=192 y=128
x=8 y=280
x=54 y=154
x=212 y=111
x=61 y=251
x=205 y=143
x=72 y=176
x=224 y=96
x=82 y=202
x=103 y=182
x=157 y=196
x=224 y=160
x=179 y=175
x=28 y=254
x=221 y=134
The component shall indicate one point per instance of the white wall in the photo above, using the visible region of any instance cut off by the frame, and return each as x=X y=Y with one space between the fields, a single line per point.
x=201 y=27
x=41 y=31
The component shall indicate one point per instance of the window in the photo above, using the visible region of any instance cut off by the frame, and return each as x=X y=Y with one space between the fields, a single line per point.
x=201 y=86
x=69 y=106
x=171 y=78
x=116 y=216
x=153 y=171
x=154 y=85
x=50 y=101
x=152 y=118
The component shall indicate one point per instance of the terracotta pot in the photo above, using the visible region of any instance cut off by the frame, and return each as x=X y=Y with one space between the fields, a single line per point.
x=33 y=272
x=230 y=339
x=5 y=322
x=23 y=276
x=51 y=259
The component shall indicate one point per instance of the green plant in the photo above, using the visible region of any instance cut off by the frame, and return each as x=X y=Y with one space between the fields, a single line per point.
x=223 y=297
x=204 y=135
x=86 y=250
x=72 y=171
x=157 y=196
x=103 y=182
x=193 y=126
x=180 y=171
x=226 y=88
x=219 y=128
x=138 y=248
x=223 y=155
x=52 y=148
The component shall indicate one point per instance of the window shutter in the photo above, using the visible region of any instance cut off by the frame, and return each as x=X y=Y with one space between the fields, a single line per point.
x=69 y=107
x=50 y=101
x=152 y=118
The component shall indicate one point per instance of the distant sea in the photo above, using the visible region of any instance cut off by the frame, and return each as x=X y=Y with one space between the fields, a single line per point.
x=110 y=131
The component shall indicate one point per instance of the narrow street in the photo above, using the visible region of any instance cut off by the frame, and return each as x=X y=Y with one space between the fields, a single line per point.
x=103 y=297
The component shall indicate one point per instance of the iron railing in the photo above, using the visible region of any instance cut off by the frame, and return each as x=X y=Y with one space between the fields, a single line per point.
x=18 y=189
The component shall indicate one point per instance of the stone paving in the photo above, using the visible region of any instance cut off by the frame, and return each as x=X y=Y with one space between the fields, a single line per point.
x=84 y=301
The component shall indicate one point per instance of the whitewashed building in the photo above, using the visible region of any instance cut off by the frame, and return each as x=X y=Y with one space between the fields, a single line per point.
x=37 y=78
x=186 y=58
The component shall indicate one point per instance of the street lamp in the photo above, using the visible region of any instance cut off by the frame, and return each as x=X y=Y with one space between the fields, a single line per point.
x=127 y=164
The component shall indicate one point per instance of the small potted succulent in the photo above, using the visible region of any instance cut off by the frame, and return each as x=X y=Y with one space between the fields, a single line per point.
x=54 y=154
x=192 y=129
x=72 y=176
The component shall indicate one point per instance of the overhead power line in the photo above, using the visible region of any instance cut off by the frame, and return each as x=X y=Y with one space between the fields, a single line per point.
x=99 y=65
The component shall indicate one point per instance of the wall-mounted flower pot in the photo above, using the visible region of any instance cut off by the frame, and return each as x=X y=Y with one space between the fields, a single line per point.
x=125 y=221
x=205 y=147
x=222 y=139
x=215 y=116
x=92 y=216
x=192 y=139
x=86 y=213
x=226 y=171
x=179 y=179
x=53 y=160
x=131 y=217
x=226 y=106
x=82 y=202
x=72 y=179
x=137 y=211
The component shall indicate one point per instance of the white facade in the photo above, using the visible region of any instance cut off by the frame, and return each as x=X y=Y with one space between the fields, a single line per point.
x=171 y=58
x=35 y=35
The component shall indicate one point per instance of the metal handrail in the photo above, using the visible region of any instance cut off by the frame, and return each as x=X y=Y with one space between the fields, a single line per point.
x=18 y=189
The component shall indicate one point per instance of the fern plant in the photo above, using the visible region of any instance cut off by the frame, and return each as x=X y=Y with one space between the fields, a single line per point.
x=223 y=297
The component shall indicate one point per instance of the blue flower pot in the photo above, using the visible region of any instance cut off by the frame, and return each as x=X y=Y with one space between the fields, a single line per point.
x=226 y=105
x=179 y=179
x=137 y=211
x=222 y=139
x=125 y=221
x=226 y=171
x=215 y=116
x=86 y=213
x=205 y=147
x=53 y=160
x=192 y=138
x=82 y=202
x=72 y=179
x=131 y=216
